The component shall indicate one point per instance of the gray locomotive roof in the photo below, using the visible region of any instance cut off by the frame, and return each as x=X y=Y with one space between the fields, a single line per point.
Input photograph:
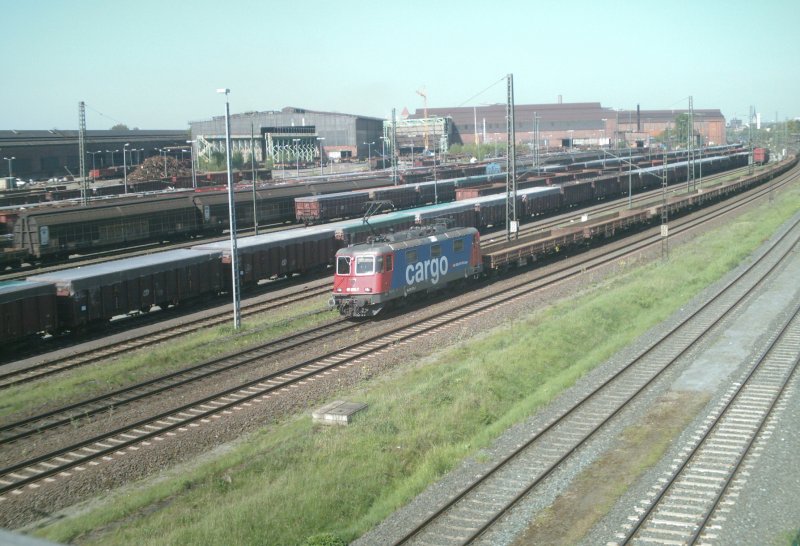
x=257 y=243
x=15 y=290
x=387 y=246
x=538 y=190
x=130 y=268
x=336 y=195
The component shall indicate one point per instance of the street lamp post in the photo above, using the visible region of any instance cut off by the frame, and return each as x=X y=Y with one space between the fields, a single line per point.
x=93 y=154
x=231 y=215
x=191 y=158
x=320 y=139
x=125 y=165
x=383 y=152
x=112 y=152
x=296 y=156
x=10 y=160
x=369 y=153
x=163 y=151
x=253 y=174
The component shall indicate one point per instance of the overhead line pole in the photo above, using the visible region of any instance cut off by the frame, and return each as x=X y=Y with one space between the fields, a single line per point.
x=511 y=165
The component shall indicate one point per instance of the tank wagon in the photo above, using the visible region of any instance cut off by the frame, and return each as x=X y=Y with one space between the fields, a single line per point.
x=416 y=261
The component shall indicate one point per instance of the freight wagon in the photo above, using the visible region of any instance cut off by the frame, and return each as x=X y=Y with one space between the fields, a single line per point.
x=97 y=293
x=760 y=156
x=57 y=232
x=320 y=208
x=27 y=308
x=278 y=254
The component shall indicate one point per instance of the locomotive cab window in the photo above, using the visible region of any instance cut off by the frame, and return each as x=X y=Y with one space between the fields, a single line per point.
x=343 y=265
x=365 y=265
x=458 y=245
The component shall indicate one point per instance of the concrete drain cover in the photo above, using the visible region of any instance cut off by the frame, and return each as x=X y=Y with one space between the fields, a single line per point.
x=338 y=412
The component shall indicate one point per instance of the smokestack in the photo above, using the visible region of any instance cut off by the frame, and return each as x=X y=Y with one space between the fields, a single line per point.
x=559 y=99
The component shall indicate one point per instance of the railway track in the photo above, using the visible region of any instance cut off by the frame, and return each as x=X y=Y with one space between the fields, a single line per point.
x=29 y=474
x=138 y=341
x=13 y=432
x=684 y=510
x=470 y=513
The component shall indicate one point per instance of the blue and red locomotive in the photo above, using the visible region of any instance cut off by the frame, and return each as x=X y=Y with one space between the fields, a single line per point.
x=369 y=276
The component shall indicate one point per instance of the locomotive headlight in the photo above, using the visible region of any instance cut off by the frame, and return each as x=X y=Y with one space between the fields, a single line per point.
x=368 y=290
x=338 y=289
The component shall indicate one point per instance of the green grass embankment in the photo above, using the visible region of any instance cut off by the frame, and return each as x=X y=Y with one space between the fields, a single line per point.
x=173 y=355
x=295 y=479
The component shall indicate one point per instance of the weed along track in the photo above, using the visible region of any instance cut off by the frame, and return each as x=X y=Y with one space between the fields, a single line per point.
x=131 y=343
x=14 y=432
x=48 y=470
x=686 y=508
x=488 y=498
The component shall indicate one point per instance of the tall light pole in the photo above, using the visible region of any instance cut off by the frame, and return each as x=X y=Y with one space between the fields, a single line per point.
x=383 y=152
x=125 y=165
x=163 y=151
x=369 y=153
x=10 y=159
x=112 y=152
x=191 y=157
x=320 y=139
x=253 y=174
x=296 y=156
x=93 y=154
x=237 y=318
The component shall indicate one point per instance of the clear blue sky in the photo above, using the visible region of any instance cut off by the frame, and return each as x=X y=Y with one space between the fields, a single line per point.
x=155 y=64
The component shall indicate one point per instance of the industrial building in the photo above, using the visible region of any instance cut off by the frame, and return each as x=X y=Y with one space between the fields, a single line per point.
x=54 y=153
x=563 y=125
x=291 y=134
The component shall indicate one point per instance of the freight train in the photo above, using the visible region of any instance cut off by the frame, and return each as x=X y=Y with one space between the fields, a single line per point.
x=84 y=297
x=391 y=269
x=55 y=231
